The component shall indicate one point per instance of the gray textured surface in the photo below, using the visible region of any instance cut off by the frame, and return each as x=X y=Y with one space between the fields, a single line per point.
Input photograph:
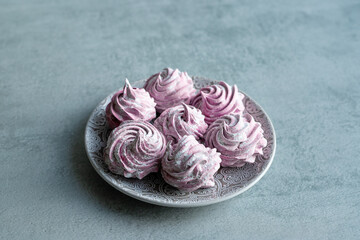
x=299 y=59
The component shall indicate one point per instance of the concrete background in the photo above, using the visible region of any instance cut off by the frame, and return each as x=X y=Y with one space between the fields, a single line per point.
x=299 y=59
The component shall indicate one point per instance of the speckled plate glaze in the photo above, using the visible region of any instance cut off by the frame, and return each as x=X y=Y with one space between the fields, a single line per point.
x=229 y=182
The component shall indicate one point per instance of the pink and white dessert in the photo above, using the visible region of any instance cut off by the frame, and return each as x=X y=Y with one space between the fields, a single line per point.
x=130 y=104
x=134 y=149
x=189 y=165
x=181 y=120
x=237 y=137
x=170 y=88
x=218 y=100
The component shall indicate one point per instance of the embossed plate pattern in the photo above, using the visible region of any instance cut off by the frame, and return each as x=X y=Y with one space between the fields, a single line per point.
x=229 y=182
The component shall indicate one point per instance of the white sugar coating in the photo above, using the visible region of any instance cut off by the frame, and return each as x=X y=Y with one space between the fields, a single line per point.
x=181 y=120
x=189 y=165
x=134 y=149
x=237 y=137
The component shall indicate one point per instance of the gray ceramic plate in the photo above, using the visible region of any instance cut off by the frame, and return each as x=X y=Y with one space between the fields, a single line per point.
x=229 y=182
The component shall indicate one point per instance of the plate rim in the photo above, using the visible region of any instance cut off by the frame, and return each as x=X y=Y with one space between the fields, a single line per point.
x=174 y=204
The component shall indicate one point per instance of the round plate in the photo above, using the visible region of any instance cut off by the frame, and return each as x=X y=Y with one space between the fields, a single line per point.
x=229 y=182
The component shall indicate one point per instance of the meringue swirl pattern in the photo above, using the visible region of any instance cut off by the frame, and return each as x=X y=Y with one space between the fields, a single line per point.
x=189 y=165
x=130 y=104
x=134 y=149
x=237 y=137
x=170 y=88
x=218 y=100
x=181 y=120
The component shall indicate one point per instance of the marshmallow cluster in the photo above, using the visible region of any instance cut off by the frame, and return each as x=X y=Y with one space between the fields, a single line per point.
x=195 y=133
